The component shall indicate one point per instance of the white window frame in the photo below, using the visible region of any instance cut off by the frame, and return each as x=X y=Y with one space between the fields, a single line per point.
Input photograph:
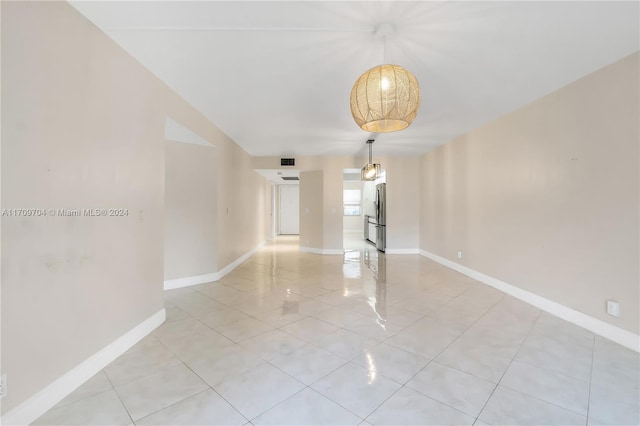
x=351 y=207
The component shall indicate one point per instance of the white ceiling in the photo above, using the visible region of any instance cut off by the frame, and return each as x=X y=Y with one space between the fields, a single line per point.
x=276 y=175
x=276 y=76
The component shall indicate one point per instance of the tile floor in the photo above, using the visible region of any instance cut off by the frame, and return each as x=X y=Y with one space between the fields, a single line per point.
x=364 y=338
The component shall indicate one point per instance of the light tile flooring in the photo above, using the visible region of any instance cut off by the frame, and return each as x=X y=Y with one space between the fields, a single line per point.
x=364 y=338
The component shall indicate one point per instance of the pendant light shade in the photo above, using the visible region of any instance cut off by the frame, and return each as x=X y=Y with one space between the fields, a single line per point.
x=370 y=171
x=385 y=99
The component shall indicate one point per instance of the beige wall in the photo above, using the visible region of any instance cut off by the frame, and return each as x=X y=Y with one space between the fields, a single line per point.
x=276 y=209
x=243 y=208
x=242 y=216
x=403 y=205
x=83 y=127
x=402 y=195
x=243 y=204
x=333 y=168
x=311 y=209
x=190 y=210
x=546 y=198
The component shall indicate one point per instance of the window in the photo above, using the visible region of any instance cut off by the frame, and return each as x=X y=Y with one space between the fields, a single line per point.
x=351 y=200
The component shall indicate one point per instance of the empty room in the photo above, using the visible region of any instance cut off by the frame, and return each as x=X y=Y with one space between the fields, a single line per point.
x=320 y=213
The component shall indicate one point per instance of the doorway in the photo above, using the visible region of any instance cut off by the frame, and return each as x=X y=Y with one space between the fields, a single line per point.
x=360 y=211
x=289 y=210
x=353 y=209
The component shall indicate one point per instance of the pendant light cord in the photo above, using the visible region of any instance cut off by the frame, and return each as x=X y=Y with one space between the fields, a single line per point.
x=384 y=49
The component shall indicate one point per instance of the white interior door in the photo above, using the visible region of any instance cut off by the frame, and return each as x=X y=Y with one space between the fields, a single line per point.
x=289 y=209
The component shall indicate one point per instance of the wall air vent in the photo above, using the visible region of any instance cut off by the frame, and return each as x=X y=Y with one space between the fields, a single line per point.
x=289 y=177
x=287 y=161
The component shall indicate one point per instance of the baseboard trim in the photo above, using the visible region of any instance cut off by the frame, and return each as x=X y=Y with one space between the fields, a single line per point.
x=189 y=281
x=599 y=327
x=29 y=410
x=233 y=265
x=213 y=276
x=401 y=251
x=321 y=251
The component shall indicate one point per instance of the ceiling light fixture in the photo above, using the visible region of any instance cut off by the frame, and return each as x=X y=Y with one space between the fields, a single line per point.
x=385 y=98
x=370 y=171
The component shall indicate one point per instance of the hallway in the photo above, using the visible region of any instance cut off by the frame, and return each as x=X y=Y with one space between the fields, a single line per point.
x=364 y=338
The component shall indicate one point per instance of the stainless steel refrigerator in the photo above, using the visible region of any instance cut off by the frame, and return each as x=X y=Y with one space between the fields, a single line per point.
x=381 y=216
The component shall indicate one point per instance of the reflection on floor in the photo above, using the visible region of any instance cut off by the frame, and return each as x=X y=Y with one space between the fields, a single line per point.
x=356 y=241
x=364 y=338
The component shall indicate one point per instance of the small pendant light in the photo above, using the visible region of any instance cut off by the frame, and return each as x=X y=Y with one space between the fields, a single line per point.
x=370 y=171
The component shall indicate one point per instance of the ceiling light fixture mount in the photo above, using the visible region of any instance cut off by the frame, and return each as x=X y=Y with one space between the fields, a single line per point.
x=370 y=171
x=386 y=97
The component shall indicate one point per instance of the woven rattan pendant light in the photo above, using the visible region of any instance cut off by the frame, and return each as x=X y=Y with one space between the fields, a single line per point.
x=385 y=98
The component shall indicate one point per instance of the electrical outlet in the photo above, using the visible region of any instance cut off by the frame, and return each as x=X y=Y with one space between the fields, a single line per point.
x=3 y=386
x=460 y=254
x=613 y=308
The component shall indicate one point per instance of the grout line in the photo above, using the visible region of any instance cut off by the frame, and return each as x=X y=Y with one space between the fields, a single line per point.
x=57 y=406
x=546 y=402
x=438 y=354
x=91 y=395
x=274 y=406
x=541 y=368
x=444 y=403
x=509 y=366
x=213 y=389
x=201 y=378
x=119 y=397
x=559 y=373
x=309 y=387
x=451 y=343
